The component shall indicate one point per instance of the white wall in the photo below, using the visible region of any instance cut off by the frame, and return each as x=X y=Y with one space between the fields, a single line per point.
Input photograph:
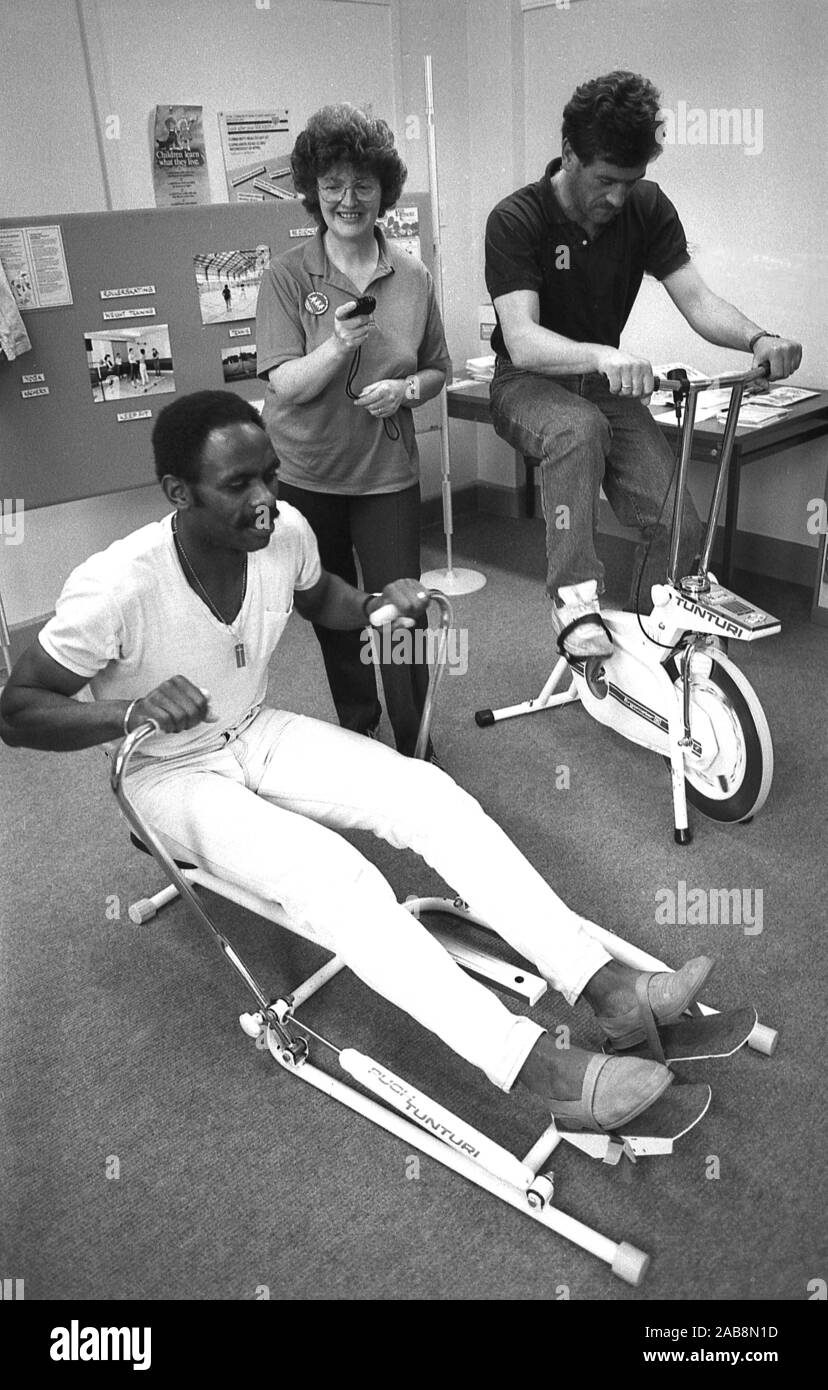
x=48 y=152
x=228 y=55
x=56 y=539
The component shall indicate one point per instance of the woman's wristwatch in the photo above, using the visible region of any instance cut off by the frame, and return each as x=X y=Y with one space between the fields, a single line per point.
x=412 y=388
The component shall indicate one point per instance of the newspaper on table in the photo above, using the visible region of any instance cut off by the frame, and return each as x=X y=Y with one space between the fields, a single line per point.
x=754 y=416
x=781 y=397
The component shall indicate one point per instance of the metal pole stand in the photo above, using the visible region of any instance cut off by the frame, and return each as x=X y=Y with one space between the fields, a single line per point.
x=450 y=580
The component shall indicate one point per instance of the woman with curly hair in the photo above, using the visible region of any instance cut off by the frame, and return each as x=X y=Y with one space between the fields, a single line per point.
x=342 y=386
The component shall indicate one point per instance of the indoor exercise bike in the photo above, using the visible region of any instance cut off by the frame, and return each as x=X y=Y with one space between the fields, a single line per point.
x=668 y=684
x=393 y=1103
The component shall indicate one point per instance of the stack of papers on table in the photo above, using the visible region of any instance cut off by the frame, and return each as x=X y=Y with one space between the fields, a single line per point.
x=782 y=397
x=480 y=368
x=752 y=415
x=764 y=407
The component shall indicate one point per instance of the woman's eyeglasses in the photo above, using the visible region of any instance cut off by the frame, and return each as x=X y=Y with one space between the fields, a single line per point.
x=364 y=191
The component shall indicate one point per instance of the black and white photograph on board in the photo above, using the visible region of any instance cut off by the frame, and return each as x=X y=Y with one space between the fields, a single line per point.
x=128 y=362
x=239 y=363
x=402 y=226
x=228 y=283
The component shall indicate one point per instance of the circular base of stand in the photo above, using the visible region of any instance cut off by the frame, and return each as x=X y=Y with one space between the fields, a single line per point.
x=453 y=581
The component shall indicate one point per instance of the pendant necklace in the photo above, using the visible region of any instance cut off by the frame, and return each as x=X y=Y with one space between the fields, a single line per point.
x=239 y=652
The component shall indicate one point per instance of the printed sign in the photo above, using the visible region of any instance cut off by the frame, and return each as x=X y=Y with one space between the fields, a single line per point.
x=35 y=264
x=128 y=314
x=127 y=292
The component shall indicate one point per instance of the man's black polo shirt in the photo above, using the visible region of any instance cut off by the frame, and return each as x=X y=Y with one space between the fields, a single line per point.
x=530 y=241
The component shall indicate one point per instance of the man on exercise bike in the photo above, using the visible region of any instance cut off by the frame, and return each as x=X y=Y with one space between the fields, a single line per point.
x=565 y=258
x=177 y=623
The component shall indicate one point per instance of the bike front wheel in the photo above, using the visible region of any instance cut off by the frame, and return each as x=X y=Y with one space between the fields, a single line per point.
x=729 y=779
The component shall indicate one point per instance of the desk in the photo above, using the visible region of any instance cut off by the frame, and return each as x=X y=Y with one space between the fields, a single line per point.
x=808 y=420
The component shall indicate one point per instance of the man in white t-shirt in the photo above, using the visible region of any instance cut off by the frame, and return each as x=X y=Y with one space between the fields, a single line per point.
x=177 y=623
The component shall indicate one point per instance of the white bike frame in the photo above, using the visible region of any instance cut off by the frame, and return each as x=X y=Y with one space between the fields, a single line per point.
x=630 y=690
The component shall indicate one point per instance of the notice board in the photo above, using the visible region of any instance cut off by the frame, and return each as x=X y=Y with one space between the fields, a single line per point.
x=68 y=444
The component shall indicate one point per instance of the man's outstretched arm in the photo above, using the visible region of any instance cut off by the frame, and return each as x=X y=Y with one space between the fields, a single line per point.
x=37 y=709
x=723 y=324
x=331 y=602
x=537 y=349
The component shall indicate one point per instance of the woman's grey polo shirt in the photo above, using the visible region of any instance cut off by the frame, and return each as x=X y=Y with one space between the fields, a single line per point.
x=329 y=444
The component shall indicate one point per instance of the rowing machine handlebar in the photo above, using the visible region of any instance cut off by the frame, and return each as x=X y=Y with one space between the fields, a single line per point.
x=387 y=613
x=125 y=750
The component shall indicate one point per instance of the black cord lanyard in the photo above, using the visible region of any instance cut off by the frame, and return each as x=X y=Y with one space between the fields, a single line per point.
x=390 y=426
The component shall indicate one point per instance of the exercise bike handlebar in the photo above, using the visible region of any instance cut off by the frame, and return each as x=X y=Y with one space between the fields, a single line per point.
x=689 y=391
x=679 y=386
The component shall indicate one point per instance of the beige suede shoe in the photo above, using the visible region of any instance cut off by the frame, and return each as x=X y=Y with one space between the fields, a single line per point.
x=614 y=1091
x=661 y=998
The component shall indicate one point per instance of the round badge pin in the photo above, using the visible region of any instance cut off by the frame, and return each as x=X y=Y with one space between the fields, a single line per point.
x=316 y=302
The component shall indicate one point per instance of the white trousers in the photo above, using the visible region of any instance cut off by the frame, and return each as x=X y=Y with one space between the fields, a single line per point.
x=262 y=811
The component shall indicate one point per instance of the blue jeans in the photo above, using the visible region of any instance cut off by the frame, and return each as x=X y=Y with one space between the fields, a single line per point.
x=585 y=437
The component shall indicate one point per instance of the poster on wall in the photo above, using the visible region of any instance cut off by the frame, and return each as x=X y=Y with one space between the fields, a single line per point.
x=128 y=362
x=179 y=164
x=256 y=146
x=228 y=283
x=35 y=264
x=402 y=226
